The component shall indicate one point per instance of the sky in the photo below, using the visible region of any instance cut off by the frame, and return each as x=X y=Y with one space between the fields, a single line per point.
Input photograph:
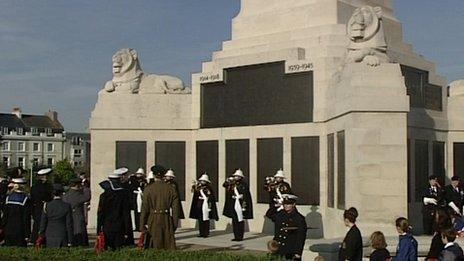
x=57 y=54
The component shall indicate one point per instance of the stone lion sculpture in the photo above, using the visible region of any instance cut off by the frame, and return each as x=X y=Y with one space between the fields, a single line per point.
x=367 y=37
x=128 y=77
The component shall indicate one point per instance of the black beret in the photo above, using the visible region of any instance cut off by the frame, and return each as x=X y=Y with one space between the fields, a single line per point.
x=431 y=177
x=455 y=178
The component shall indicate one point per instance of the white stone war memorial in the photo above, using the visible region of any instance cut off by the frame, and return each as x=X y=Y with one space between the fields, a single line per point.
x=327 y=90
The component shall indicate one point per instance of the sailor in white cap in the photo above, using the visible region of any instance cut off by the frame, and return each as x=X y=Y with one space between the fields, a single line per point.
x=203 y=207
x=41 y=193
x=276 y=189
x=238 y=205
x=137 y=184
x=290 y=230
x=169 y=178
x=17 y=205
x=113 y=216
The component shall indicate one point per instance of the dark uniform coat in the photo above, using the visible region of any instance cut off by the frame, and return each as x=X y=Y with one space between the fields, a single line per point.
x=290 y=233
x=246 y=202
x=352 y=246
x=77 y=200
x=174 y=184
x=113 y=216
x=454 y=195
x=428 y=211
x=57 y=223
x=40 y=193
x=160 y=212
x=196 y=208
x=284 y=188
x=16 y=221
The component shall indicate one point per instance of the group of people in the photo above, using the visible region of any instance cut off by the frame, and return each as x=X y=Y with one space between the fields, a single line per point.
x=154 y=203
x=47 y=215
x=443 y=246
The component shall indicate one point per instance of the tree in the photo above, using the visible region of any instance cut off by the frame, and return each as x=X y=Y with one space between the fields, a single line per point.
x=63 y=172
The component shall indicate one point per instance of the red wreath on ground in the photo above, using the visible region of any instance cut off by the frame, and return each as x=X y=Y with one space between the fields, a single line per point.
x=100 y=243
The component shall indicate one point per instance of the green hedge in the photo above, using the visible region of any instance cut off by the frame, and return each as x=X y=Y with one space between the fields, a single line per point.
x=72 y=254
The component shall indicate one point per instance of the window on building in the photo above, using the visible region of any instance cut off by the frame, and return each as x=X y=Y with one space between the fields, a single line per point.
x=20 y=131
x=35 y=131
x=50 y=162
x=6 y=161
x=35 y=162
x=49 y=132
x=21 y=146
x=76 y=141
x=21 y=162
x=5 y=131
x=6 y=146
x=77 y=152
x=36 y=146
x=50 y=147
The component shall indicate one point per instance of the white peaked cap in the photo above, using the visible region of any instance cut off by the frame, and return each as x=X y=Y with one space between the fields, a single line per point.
x=19 y=181
x=279 y=174
x=170 y=173
x=121 y=171
x=140 y=171
x=204 y=177
x=44 y=171
x=150 y=176
x=239 y=173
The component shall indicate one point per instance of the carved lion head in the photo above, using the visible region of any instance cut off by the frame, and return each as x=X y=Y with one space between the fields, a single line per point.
x=125 y=60
x=364 y=23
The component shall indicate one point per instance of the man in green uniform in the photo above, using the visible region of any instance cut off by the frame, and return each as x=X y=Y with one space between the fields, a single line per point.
x=160 y=211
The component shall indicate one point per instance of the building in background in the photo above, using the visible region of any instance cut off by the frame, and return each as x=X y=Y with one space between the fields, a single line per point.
x=30 y=140
x=77 y=150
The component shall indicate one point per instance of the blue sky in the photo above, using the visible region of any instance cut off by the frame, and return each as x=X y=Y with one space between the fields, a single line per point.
x=57 y=54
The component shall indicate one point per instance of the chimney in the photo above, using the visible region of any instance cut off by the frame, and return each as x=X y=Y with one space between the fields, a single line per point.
x=53 y=115
x=17 y=111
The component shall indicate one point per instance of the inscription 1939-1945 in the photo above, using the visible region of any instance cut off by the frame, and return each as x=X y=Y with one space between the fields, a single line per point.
x=301 y=67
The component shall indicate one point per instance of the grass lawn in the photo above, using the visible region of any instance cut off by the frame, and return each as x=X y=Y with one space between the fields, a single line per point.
x=7 y=253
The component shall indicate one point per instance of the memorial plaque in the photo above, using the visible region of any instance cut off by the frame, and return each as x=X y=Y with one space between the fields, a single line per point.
x=421 y=93
x=270 y=159
x=131 y=154
x=305 y=169
x=208 y=161
x=439 y=161
x=257 y=95
x=458 y=159
x=330 y=170
x=341 y=195
x=171 y=154
x=238 y=156
x=433 y=97
x=421 y=161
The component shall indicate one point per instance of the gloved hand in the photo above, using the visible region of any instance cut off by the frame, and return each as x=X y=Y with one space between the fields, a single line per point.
x=428 y=201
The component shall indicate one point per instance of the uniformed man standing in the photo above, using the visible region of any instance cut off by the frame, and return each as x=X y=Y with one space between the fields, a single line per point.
x=16 y=219
x=113 y=216
x=290 y=230
x=169 y=178
x=56 y=222
x=203 y=206
x=238 y=205
x=160 y=211
x=432 y=198
x=77 y=197
x=276 y=190
x=454 y=195
x=137 y=185
x=41 y=192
